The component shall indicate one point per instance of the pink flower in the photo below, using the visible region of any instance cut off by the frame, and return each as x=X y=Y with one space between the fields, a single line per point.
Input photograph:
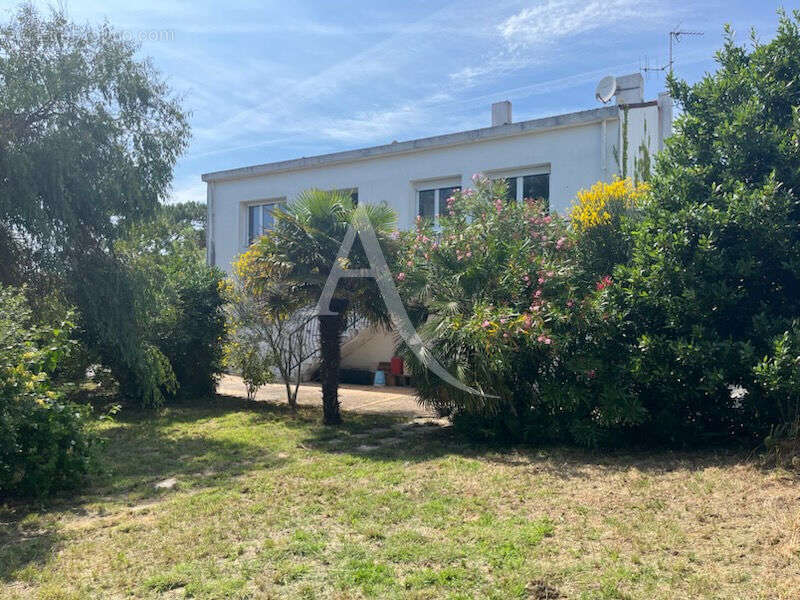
x=547 y=341
x=526 y=279
x=485 y=324
x=570 y=303
x=469 y=254
x=605 y=282
x=560 y=243
x=591 y=374
x=401 y=276
x=502 y=319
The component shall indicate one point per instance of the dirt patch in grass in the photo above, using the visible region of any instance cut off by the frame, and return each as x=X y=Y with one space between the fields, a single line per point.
x=295 y=510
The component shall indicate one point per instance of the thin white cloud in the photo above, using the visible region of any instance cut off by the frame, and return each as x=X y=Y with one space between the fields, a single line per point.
x=556 y=19
x=530 y=36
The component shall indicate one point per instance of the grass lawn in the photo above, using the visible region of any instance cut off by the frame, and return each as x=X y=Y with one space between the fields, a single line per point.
x=268 y=505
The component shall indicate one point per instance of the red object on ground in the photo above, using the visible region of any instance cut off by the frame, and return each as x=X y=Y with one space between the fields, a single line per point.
x=397 y=365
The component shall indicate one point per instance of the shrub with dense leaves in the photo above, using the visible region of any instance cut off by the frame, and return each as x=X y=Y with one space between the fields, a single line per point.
x=45 y=440
x=650 y=329
x=503 y=302
x=714 y=273
x=181 y=301
x=601 y=217
x=89 y=134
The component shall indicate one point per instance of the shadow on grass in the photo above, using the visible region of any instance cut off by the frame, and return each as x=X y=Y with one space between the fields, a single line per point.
x=147 y=446
x=559 y=461
x=141 y=448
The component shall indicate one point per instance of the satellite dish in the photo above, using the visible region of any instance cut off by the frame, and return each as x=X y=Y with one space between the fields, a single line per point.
x=606 y=88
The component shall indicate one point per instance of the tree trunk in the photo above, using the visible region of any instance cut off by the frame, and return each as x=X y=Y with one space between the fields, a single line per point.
x=330 y=338
x=291 y=397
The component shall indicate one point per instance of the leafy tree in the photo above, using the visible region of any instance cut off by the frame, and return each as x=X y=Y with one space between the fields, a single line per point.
x=289 y=266
x=182 y=300
x=267 y=336
x=714 y=274
x=184 y=215
x=89 y=135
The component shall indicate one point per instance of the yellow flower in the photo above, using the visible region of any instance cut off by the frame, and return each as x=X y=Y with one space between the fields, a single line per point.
x=592 y=207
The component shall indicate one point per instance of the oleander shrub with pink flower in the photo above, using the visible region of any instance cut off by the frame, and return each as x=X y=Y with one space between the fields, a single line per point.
x=659 y=315
x=500 y=297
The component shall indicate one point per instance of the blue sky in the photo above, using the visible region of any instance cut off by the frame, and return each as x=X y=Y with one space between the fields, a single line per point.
x=273 y=80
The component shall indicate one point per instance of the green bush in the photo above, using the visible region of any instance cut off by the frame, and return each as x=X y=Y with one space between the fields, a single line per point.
x=777 y=377
x=244 y=356
x=503 y=302
x=601 y=218
x=650 y=330
x=45 y=440
x=714 y=273
x=180 y=299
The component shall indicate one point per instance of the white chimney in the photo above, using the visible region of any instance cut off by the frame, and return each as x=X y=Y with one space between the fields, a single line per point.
x=630 y=89
x=501 y=113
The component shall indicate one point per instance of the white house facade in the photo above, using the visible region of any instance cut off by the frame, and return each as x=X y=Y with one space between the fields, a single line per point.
x=553 y=157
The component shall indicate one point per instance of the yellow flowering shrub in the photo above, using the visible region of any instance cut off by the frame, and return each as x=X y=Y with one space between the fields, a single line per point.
x=596 y=205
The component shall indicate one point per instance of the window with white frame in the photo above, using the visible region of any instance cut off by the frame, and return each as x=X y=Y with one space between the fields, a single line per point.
x=432 y=201
x=260 y=219
x=531 y=185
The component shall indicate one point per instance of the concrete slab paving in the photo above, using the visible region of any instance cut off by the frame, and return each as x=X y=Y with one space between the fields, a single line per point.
x=395 y=401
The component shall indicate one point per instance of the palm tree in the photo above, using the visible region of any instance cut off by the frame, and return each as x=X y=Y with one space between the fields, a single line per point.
x=291 y=264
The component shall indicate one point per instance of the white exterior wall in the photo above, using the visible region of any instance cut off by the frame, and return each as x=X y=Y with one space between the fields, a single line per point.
x=575 y=156
x=642 y=132
x=577 y=150
x=376 y=345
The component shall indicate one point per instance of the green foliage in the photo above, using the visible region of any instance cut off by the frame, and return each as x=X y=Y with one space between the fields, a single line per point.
x=602 y=216
x=88 y=138
x=714 y=274
x=777 y=376
x=180 y=300
x=45 y=440
x=502 y=301
x=89 y=132
x=288 y=267
x=243 y=355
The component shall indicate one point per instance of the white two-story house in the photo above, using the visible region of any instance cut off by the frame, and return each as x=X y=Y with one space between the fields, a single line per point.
x=551 y=157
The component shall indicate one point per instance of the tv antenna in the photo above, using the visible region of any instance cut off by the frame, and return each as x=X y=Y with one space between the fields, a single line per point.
x=674 y=37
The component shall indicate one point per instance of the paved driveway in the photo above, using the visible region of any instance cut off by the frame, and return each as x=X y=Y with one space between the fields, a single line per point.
x=399 y=401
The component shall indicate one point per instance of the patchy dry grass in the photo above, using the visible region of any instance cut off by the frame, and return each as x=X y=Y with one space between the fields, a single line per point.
x=271 y=506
